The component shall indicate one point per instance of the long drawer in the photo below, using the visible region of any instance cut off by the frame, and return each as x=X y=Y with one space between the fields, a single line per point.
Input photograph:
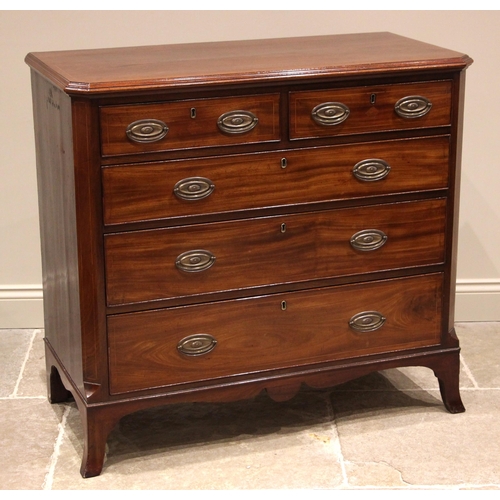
x=203 y=342
x=225 y=184
x=205 y=258
x=188 y=124
x=377 y=108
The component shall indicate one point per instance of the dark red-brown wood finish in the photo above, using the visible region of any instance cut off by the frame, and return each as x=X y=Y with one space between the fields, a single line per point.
x=226 y=218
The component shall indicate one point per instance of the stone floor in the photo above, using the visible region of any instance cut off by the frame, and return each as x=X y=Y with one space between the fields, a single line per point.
x=386 y=431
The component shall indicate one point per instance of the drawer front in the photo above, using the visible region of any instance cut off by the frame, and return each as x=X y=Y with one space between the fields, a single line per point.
x=206 y=258
x=209 y=341
x=328 y=113
x=224 y=184
x=189 y=124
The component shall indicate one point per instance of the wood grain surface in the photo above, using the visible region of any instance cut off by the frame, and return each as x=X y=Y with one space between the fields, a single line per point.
x=248 y=61
x=140 y=265
x=256 y=334
x=140 y=192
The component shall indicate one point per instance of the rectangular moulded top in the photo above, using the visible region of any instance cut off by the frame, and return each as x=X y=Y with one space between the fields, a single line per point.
x=181 y=66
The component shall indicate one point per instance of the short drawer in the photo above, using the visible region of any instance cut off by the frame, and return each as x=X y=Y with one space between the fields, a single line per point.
x=206 y=258
x=356 y=110
x=189 y=124
x=226 y=184
x=210 y=341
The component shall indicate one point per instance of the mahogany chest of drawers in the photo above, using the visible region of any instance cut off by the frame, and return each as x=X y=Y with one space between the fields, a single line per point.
x=226 y=218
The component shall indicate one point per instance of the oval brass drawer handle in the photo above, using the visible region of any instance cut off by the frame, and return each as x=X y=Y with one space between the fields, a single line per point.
x=196 y=345
x=330 y=113
x=195 y=261
x=194 y=188
x=237 y=122
x=368 y=240
x=412 y=106
x=148 y=130
x=367 y=321
x=371 y=170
